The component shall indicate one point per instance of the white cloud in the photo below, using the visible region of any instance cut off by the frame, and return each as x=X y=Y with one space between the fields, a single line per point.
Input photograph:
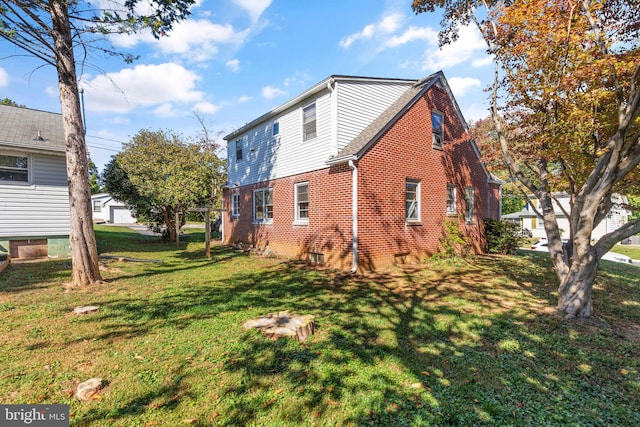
x=270 y=92
x=195 y=39
x=233 y=65
x=4 y=77
x=166 y=110
x=244 y=99
x=412 y=34
x=143 y=86
x=469 y=43
x=206 y=107
x=460 y=85
x=255 y=8
x=387 y=25
x=481 y=62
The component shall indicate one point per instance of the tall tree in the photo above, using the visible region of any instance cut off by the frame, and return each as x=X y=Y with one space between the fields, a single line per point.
x=50 y=30
x=159 y=173
x=568 y=75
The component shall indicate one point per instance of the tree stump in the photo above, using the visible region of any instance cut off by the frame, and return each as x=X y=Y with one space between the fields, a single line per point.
x=284 y=324
x=87 y=309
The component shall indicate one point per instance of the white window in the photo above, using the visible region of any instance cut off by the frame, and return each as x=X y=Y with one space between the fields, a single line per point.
x=451 y=199
x=302 y=202
x=412 y=200
x=437 y=128
x=235 y=204
x=97 y=206
x=238 y=150
x=263 y=205
x=309 y=122
x=468 y=204
x=14 y=168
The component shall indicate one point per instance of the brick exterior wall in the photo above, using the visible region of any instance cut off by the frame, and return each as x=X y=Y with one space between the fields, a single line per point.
x=404 y=152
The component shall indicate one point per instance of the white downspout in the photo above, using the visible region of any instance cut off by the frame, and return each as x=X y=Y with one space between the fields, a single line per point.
x=354 y=209
x=222 y=212
x=334 y=115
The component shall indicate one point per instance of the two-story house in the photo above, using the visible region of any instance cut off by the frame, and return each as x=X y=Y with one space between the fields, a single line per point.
x=531 y=222
x=34 y=195
x=357 y=173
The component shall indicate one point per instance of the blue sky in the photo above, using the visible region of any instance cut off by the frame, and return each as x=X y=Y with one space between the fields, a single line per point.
x=234 y=60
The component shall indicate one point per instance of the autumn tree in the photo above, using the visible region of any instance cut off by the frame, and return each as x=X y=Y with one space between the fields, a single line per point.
x=52 y=30
x=565 y=110
x=162 y=176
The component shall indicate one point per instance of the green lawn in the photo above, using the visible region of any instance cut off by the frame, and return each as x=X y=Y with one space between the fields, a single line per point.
x=466 y=343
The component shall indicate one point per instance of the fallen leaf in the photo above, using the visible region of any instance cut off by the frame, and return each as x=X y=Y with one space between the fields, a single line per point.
x=96 y=396
x=213 y=415
x=137 y=356
x=190 y=420
x=278 y=391
x=417 y=385
x=151 y=423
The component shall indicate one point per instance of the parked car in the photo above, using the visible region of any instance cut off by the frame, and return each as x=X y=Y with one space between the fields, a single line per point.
x=542 y=246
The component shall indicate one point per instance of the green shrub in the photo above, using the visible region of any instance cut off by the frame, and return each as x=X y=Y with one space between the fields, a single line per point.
x=502 y=237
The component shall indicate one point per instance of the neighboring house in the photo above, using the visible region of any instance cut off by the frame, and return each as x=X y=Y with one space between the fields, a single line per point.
x=34 y=195
x=357 y=173
x=107 y=209
x=528 y=219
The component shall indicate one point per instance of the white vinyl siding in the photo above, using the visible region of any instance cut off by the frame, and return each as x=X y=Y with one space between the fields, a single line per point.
x=40 y=209
x=361 y=103
x=268 y=157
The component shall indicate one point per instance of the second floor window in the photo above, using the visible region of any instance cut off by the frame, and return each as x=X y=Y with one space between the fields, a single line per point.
x=263 y=205
x=309 y=122
x=437 y=128
x=14 y=168
x=276 y=128
x=238 y=151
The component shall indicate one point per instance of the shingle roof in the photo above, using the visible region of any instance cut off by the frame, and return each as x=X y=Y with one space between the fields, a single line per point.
x=20 y=127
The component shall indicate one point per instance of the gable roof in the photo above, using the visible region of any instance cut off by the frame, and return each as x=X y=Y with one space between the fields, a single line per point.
x=318 y=87
x=361 y=143
x=32 y=130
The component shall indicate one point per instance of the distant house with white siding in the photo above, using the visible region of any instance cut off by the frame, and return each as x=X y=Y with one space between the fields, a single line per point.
x=34 y=195
x=357 y=173
x=529 y=219
x=107 y=209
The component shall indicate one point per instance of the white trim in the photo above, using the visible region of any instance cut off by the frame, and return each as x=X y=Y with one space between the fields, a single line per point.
x=297 y=219
x=418 y=189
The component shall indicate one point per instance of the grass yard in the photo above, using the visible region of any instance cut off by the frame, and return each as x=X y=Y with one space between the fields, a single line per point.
x=466 y=343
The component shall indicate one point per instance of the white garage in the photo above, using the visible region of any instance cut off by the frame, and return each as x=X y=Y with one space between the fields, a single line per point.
x=107 y=209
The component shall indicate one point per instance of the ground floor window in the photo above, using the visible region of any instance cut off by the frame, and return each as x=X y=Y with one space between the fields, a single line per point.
x=235 y=204
x=302 y=202
x=263 y=205
x=468 y=202
x=451 y=199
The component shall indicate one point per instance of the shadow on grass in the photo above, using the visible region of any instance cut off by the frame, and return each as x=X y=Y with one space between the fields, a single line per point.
x=403 y=348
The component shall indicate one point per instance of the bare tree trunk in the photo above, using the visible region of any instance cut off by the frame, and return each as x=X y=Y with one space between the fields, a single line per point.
x=84 y=252
x=574 y=293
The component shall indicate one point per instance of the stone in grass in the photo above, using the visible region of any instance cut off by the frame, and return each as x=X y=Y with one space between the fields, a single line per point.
x=86 y=309
x=86 y=390
x=284 y=324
